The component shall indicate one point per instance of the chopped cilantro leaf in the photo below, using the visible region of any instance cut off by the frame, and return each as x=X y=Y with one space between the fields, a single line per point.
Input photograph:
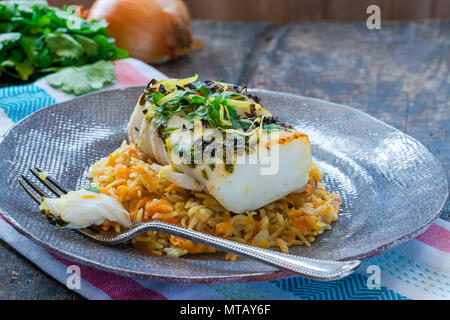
x=85 y=79
x=158 y=96
x=91 y=188
x=171 y=128
x=271 y=127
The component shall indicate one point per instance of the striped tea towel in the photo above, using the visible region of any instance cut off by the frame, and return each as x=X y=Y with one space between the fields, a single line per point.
x=416 y=269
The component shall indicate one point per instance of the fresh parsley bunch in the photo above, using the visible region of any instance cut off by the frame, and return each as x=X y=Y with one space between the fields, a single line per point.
x=36 y=39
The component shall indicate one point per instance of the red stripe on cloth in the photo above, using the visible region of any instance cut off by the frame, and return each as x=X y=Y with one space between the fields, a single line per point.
x=436 y=237
x=115 y=286
x=128 y=76
x=1 y=218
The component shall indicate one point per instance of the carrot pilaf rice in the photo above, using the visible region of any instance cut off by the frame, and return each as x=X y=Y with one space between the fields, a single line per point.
x=295 y=219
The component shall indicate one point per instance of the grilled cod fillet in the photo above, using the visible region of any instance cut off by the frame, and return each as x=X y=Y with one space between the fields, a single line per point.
x=215 y=137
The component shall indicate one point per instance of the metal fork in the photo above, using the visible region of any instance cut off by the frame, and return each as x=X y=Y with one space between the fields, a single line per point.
x=307 y=267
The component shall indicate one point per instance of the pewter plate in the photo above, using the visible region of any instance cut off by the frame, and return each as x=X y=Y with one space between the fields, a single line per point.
x=392 y=187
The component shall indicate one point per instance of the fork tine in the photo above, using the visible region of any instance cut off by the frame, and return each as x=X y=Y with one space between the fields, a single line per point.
x=53 y=181
x=34 y=196
x=55 y=191
x=34 y=187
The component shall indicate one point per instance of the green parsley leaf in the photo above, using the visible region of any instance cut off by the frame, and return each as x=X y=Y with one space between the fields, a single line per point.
x=271 y=127
x=91 y=188
x=171 y=128
x=205 y=91
x=64 y=46
x=25 y=69
x=7 y=40
x=90 y=47
x=85 y=79
x=157 y=96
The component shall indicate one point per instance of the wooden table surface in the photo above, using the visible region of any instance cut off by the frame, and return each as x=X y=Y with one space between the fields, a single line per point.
x=399 y=74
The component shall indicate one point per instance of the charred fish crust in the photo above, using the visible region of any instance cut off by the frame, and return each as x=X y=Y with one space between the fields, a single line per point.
x=213 y=86
x=254 y=97
x=142 y=100
x=229 y=168
x=190 y=86
x=277 y=122
x=151 y=84
x=149 y=89
x=237 y=89
x=146 y=96
x=252 y=109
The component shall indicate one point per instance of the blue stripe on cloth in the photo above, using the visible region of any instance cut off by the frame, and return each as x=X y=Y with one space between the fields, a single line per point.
x=353 y=287
x=20 y=101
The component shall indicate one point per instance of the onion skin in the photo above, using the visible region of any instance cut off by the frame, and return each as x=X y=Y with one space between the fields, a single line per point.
x=153 y=31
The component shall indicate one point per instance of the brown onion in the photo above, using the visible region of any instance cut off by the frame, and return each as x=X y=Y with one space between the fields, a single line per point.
x=150 y=30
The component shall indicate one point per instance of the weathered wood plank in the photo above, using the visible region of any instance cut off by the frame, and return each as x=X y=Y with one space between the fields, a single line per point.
x=226 y=52
x=428 y=92
x=17 y=276
x=399 y=74
x=339 y=62
x=47 y=288
x=21 y=279
x=285 y=11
